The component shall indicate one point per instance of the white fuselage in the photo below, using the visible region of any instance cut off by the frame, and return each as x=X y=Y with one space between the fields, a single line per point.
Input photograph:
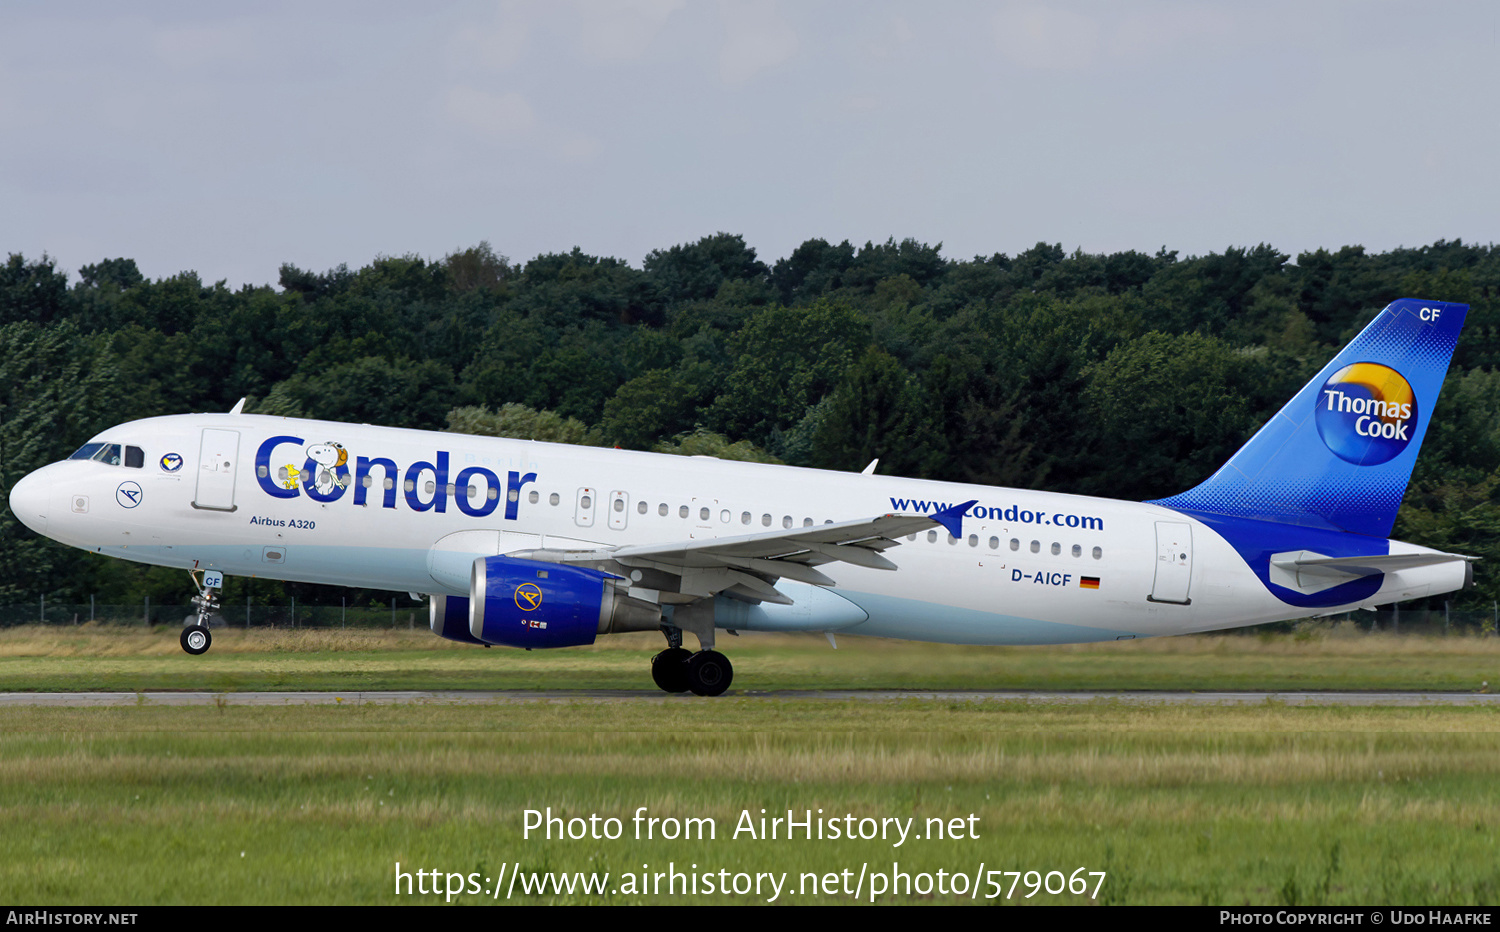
x=1031 y=567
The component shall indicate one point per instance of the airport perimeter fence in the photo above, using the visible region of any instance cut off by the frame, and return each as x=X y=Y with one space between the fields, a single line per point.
x=399 y=613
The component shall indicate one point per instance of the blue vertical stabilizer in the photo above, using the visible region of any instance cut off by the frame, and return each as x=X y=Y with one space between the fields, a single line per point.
x=1341 y=452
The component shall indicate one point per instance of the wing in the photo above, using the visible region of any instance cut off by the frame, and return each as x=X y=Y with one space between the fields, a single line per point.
x=748 y=567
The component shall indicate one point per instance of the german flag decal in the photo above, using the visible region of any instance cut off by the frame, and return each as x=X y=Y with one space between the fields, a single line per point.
x=1088 y=582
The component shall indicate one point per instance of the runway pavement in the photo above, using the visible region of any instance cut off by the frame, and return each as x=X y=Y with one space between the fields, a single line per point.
x=480 y=697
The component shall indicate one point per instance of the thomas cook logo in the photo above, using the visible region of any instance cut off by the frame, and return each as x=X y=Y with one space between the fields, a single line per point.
x=171 y=462
x=528 y=597
x=1367 y=413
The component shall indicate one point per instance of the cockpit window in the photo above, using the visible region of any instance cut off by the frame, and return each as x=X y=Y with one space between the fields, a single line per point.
x=111 y=453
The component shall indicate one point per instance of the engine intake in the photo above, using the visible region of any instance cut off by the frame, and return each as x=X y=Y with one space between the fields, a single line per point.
x=525 y=603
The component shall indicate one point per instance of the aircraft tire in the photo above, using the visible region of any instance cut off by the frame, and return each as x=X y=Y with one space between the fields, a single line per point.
x=709 y=673
x=195 y=639
x=669 y=669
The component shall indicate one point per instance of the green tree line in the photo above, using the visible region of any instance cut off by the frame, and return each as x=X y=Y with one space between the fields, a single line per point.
x=1130 y=375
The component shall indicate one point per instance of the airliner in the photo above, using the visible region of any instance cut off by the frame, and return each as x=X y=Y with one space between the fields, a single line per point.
x=537 y=545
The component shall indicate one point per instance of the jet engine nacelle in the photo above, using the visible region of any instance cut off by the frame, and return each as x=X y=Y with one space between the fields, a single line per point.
x=450 y=618
x=526 y=603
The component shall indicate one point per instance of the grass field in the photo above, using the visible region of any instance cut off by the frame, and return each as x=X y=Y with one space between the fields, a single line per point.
x=1321 y=657
x=1260 y=805
x=1266 y=804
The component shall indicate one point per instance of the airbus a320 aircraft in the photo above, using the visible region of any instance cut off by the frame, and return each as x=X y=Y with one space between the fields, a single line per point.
x=543 y=545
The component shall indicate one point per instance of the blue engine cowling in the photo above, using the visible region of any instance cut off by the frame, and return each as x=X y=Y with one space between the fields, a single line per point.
x=524 y=603
x=450 y=618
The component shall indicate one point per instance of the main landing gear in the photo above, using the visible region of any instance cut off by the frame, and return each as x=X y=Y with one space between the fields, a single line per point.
x=195 y=637
x=679 y=670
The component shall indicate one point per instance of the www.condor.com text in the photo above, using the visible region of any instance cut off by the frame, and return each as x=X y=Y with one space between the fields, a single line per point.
x=866 y=883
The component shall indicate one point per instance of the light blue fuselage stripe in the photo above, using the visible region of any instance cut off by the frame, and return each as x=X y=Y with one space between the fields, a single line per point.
x=400 y=569
x=912 y=619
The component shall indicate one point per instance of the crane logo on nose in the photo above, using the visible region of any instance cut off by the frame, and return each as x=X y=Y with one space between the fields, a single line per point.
x=128 y=495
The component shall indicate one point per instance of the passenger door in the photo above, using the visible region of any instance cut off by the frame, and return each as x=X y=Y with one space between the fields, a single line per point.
x=217 y=454
x=1174 y=562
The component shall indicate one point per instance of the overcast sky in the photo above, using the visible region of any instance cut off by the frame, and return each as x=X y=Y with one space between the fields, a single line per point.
x=230 y=138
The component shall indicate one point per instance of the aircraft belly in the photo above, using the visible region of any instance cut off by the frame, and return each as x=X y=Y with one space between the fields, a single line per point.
x=389 y=568
x=812 y=609
x=921 y=620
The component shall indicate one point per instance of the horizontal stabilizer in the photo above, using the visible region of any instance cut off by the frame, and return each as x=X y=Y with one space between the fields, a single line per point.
x=1310 y=564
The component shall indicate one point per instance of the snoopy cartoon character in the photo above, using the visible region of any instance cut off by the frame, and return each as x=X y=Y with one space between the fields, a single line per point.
x=329 y=457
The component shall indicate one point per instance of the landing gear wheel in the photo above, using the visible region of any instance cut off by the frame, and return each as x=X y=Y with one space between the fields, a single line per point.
x=196 y=639
x=669 y=669
x=709 y=673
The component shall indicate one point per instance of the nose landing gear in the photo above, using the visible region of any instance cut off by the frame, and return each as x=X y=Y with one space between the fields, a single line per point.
x=196 y=638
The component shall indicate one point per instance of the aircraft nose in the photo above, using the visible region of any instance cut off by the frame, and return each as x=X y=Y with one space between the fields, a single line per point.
x=29 y=501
